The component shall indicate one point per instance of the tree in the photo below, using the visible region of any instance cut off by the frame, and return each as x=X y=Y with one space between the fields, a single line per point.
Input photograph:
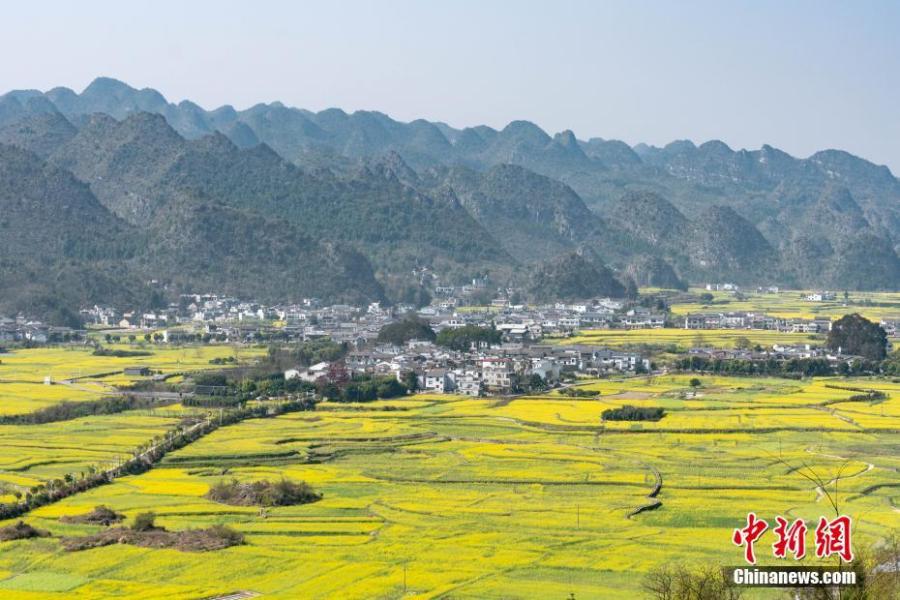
x=389 y=387
x=412 y=328
x=337 y=373
x=680 y=583
x=633 y=413
x=481 y=297
x=536 y=383
x=411 y=381
x=328 y=390
x=854 y=334
x=706 y=298
x=631 y=289
x=462 y=338
x=695 y=383
x=743 y=343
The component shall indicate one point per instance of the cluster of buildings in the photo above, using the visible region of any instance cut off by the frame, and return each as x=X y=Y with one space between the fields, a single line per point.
x=817 y=296
x=478 y=371
x=20 y=329
x=229 y=319
x=891 y=325
x=194 y=308
x=776 y=352
x=513 y=364
x=754 y=320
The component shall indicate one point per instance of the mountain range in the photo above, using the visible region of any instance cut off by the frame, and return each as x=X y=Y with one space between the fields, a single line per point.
x=116 y=195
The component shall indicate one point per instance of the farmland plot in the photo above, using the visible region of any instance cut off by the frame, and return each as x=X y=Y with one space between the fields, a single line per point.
x=451 y=497
x=77 y=374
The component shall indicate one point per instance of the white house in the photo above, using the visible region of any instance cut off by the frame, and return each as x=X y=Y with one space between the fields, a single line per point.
x=496 y=373
x=438 y=380
x=547 y=368
x=312 y=374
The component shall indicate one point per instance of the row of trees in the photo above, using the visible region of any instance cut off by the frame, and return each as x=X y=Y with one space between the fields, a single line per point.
x=851 y=334
x=459 y=338
x=66 y=410
x=795 y=367
x=412 y=328
x=362 y=388
x=464 y=338
x=633 y=413
x=144 y=456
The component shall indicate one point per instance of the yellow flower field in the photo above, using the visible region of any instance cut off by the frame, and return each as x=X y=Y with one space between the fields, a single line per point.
x=687 y=338
x=33 y=454
x=23 y=372
x=475 y=498
x=791 y=304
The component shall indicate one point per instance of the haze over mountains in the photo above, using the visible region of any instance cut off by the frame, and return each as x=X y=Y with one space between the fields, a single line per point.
x=104 y=191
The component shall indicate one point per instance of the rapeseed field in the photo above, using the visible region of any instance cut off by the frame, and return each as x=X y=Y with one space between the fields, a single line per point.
x=791 y=304
x=88 y=377
x=436 y=496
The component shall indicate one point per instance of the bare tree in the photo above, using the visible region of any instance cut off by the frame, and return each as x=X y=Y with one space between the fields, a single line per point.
x=679 y=582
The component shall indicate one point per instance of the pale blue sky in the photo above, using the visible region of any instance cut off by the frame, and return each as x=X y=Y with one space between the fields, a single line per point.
x=802 y=75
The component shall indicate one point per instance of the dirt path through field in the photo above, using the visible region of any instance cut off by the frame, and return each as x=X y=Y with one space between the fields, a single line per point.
x=820 y=490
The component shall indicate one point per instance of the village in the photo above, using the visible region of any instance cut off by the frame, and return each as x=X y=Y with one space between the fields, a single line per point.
x=531 y=350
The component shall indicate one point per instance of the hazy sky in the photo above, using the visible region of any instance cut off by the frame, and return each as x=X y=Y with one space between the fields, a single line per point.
x=801 y=76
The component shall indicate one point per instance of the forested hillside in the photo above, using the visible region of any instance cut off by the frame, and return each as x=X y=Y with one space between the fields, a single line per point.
x=106 y=190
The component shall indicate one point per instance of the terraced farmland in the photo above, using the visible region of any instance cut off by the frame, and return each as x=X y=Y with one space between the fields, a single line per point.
x=450 y=497
x=791 y=304
x=684 y=339
x=34 y=454
x=22 y=372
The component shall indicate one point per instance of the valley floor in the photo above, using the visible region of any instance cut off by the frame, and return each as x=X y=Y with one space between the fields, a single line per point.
x=449 y=497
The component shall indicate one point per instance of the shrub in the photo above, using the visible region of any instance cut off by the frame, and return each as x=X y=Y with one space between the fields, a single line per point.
x=20 y=531
x=101 y=515
x=226 y=534
x=633 y=413
x=263 y=493
x=220 y=360
x=212 y=379
x=144 y=522
x=190 y=540
x=213 y=401
x=579 y=393
x=120 y=353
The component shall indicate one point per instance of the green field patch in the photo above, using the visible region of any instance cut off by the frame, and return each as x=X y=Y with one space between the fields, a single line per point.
x=42 y=581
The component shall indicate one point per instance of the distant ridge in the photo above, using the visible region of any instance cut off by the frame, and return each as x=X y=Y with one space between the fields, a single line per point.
x=379 y=199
